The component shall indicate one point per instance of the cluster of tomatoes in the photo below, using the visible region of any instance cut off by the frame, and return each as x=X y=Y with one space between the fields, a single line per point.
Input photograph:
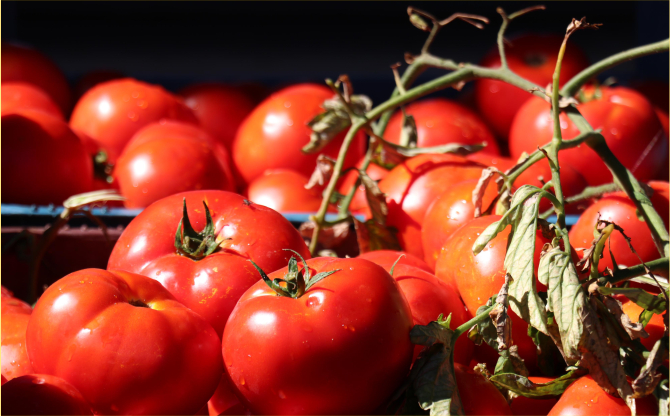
x=211 y=302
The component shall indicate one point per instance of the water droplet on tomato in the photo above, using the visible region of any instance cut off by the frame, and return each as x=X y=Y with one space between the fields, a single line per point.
x=39 y=380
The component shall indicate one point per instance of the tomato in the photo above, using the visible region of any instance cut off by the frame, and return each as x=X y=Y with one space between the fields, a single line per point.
x=21 y=64
x=386 y=259
x=532 y=407
x=533 y=57
x=618 y=208
x=112 y=112
x=585 y=397
x=412 y=186
x=628 y=122
x=284 y=191
x=359 y=204
x=220 y=108
x=478 y=395
x=93 y=78
x=42 y=394
x=23 y=96
x=224 y=401
x=656 y=91
x=210 y=286
x=440 y=121
x=274 y=133
x=655 y=328
x=168 y=157
x=14 y=357
x=449 y=212
x=318 y=353
x=664 y=170
x=43 y=161
x=125 y=343
x=4 y=380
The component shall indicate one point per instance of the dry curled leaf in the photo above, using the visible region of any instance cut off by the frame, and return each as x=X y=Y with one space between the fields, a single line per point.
x=500 y=317
x=375 y=197
x=634 y=330
x=372 y=236
x=480 y=189
x=580 y=24
x=330 y=236
x=335 y=119
x=322 y=172
x=646 y=382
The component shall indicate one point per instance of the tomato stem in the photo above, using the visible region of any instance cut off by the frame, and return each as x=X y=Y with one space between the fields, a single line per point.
x=191 y=243
x=481 y=317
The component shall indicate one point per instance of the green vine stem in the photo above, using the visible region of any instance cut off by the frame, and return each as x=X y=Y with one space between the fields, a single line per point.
x=659 y=265
x=481 y=317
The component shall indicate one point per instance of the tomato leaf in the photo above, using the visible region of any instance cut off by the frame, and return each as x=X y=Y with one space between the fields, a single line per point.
x=408 y=134
x=634 y=330
x=522 y=386
x=500 y=318
x=330 y=235
x=375 y=197
x=648 y=379
x=510 y=362
x=322 y=172
x=485 y=331
x=656 y=304
x=335 y=119
x=373 y=236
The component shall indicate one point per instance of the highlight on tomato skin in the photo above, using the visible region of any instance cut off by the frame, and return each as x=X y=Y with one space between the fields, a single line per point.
x=284 y=191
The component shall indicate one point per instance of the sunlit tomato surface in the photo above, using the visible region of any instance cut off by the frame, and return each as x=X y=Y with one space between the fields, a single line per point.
x=618 y=208
x=359 y=204
x=13 y=356
x=308 y=355
x=284 y=191
x=168 y=157
x=125 y=343
x=24 y=96
x=533 y=57
x=42 y=394
x=274 y=133
x=212 y=285
x=411 y=187
x=440 y=121
x=386 y=259
x=655 y=328
x=628 y=122
x=532 y=407
x=20 y=64
x=112 y=112
x=43 y=161
x=224 y=401
x=478 y=395
x=584 y=397
x=220 y=108
x=448 y=213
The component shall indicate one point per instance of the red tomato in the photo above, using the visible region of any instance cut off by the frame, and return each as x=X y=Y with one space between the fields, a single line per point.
x=284 y=191
x=23 y=96
x=168 y=157
x=43 y=161
x=440 y=121
x=411 y=187
x=93 y=78
x=20 y=64
x=13 y=356
x=655 y=328
x=449 y=212
x=212 y=285
x=4 y=380
x=532 y=407
x=500 y=162
x=664 y=170
x=359 y=204
x=619 y=209
x=274 y=133
x=656 y=92
x=584 y=397
x=220 y=108
x=386 y=259
x=42 y=394
x=354 y=322
x=478 y=395
x=125 y=343
x=532 y=57
x=224 y=401
x=112 y=112
x=628 y=122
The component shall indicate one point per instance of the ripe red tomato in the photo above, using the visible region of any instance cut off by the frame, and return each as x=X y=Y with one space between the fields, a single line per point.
x=386 y=259
x=533 y=57
x=224 y=401
x=359 y=204
x=220 y=108
x=584 y=397
x=20 y=64
x=274 y=133
x=212 y=285
x=655 y=328
x=284 y=191
x=13 y=356
x=112 y=112
x=43 y=161
x=628 y=122
x=93 y=78
x=4 y=380
x=42 y=394
x=168 y=157
x=664 y=170
x=354 y=322
x=617 y=208
x=441 y=121
x=412 y=186
x=478 y=395
x=532 y=407
x=125 y=343
x=23 y=96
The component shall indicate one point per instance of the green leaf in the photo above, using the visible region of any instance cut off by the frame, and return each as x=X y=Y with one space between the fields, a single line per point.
x=656 y=304
x=319 y=277
x=510 y=362
x=524 y=387
x=485 y=331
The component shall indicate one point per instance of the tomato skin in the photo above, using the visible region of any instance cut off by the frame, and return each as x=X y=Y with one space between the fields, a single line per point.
x=628 y=122
x=112 y=112
x=354 y=322
x=20 y=64
x=255 y=232
x=43 y=161
x=42 y=394
x=440 y=121
x=359 y=204
x=14 y=357
x=24 y=96
x=478 y=395
x=125 y=359
x=533 y=57
x=224 y=401
x=532 y=407
x=584 y=397
x=168 y=157
x=284 y=191
x=273 y=134
x=412 y=186
x=618 y=208
x=655 y=328
x=386 y=259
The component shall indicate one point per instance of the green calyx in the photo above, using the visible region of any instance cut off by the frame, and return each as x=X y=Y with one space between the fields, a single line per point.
x=295 y=282
x=193 y=244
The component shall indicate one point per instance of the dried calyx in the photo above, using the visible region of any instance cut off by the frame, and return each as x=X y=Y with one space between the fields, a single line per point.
x=193 y=244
